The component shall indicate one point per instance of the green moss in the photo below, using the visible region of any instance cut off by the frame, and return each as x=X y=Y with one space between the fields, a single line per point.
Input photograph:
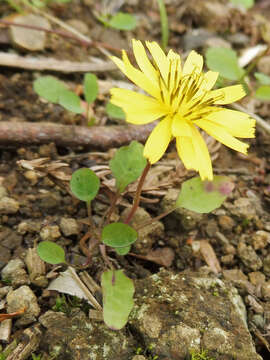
x=202 y=355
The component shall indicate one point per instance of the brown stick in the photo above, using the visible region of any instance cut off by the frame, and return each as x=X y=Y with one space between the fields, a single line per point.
x=99 y=137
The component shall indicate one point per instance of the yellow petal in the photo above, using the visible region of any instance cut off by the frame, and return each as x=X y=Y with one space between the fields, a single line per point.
x=139 y=78
x=159 y=58
x=139 y=108
x=180 y=127
x=237 y=123
x=227 y=95
x=158 y=141
x=194 y=154
x=143 y=61
x=186 y=152
x=222 y=135
x=210 y=78
x=193 y=63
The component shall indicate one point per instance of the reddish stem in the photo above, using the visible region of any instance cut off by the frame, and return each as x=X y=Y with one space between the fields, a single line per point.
x=138 y=194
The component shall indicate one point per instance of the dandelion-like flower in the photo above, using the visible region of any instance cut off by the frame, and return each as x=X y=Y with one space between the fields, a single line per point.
x=181 y=97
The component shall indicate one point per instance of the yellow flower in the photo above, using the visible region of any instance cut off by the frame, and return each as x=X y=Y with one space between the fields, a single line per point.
x=182 y=98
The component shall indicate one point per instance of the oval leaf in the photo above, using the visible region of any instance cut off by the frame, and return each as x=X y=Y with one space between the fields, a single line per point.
x=49 y=88
x=123 y=250
x=115 y=111
x=225 y=62
x=262 y=78
x=263 y=93
x=51 y=253
x=204 y=196
x=118 y=235
x=118 y=291
x=128 y=164
x=90 y=88
x=70 y=101
x=84 y=184
x=122 y=21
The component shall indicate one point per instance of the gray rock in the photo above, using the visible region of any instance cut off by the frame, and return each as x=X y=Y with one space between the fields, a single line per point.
x=217 y=42
x=8 y=205
x=21 y=298
x=50 y=233
x=180 y=313
x=29 y=39
x=196 y=38
x=266 y=265
x=260 y=239
x=266 y=291
x=5 y=255
x=249 y=257
x=76 y=337
x=4 y=291
x=15 y=273
x=3 y=192
x=29 y=226
x=69 y=226
x=239 y=39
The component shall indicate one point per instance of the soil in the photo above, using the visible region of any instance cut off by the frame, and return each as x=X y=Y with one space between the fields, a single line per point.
x=33 y=204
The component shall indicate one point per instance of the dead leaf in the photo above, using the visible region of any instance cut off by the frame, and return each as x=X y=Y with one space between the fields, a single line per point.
x=209 y=256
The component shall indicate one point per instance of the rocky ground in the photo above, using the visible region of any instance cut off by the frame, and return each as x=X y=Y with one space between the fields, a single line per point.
x=202 y=280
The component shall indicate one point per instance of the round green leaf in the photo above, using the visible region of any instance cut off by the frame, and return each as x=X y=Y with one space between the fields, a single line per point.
x=122 y=21
x=118 y=235
x=204 y=196
x=118 y=291
x=263 y=93
x=128 y=164
x=90 y=87
x=225 y=62
x=49 y=88
x=51 y=253
x=84 y=184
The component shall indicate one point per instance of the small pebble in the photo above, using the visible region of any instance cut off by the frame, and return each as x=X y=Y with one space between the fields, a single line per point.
x=69 y=226
x=50 y=233
x=15 y=273
x=8 y=205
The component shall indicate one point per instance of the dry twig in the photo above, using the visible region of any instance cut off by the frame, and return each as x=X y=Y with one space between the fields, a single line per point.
x=99 y=137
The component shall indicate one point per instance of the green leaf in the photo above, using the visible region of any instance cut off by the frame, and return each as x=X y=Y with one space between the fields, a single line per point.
x=122 y=21
x=70 y=101
x=90 y=87
x=204 y=196
x=49 y=88
x=246 y=3
x=123 y=250
x=51 y=253
x=118 y=291
x=263 y=93
x=84 y=184
x=262 y=78
x=225 y=62
x=115 y=111
x=118 y=235
x=128 y=164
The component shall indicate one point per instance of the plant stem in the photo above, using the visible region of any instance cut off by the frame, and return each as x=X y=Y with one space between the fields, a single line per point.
x=164 y=24
x=89 y=214
x=138 y=194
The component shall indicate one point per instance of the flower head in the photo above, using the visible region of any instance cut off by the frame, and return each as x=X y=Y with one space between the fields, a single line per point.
x=181 y=97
